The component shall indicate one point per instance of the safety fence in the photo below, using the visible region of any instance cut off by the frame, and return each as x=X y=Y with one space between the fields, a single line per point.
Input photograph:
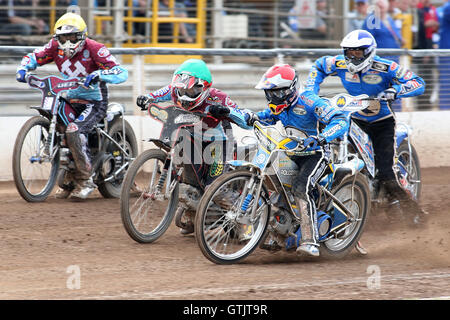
x=235 y=71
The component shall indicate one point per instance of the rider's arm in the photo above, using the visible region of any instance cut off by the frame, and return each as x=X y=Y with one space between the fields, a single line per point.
x=39 y=57
x=161 y=95
x=405 y=82
x=336 y=122
x=321 y=68
x=115 y=75
x=234 y=113
x=109 y=69
x=267 y=116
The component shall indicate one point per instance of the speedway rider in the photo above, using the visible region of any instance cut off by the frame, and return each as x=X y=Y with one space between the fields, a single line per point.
x=304 y=112
x=363 y=72
x=191 y=90
x=76 y=55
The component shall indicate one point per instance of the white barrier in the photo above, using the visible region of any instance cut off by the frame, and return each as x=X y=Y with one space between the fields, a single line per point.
x=431 y=133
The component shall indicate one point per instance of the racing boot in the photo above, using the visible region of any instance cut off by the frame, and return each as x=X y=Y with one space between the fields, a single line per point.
x=308 y=244
x=63 y=193
x=189 y=195
x=402 y=204
x=360 y=249
x=187 y=224
x=67 y=187
x=83 y=189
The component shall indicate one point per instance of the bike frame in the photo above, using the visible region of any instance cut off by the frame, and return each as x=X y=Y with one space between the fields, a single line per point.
x=53 y=103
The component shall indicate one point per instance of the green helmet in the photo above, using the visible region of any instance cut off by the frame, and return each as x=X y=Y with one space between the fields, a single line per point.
x=191 y=83
x=196 y=68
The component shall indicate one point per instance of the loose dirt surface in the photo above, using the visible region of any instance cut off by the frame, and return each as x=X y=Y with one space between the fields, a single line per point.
x=44 y=245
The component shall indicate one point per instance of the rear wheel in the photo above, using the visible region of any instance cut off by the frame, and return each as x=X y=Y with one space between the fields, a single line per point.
x=117 y=158
x=145 y=213
x=409 y=169
x=34 y=168
x=354 y=193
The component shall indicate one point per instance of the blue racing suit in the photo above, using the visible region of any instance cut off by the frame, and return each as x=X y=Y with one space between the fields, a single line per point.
x=306 y=115
x=378 y=119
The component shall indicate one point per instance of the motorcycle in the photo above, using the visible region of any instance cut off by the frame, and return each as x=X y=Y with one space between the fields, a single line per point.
x=406 y=162
x=41 y=157
x=259 y=210
x=151 y=195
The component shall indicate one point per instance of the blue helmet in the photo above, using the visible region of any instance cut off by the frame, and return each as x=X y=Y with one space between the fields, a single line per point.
x=359 y=40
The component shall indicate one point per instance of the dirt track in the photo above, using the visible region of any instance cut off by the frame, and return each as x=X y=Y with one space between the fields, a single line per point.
x=44 y=244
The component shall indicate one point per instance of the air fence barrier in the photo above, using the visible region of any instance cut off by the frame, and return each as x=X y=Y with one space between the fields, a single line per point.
x=236 y=71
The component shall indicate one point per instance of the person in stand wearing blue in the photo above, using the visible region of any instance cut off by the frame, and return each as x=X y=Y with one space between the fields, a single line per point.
x=444 y=62
x=382 y=27
x=363 y=72
x=304 y=112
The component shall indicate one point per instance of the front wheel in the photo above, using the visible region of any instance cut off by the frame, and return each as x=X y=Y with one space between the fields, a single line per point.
x=225 y=233
x=354 y=193
x=35 y=168
x=145 y=213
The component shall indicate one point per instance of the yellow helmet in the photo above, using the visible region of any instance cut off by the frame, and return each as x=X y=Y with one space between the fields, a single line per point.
x=70 y=23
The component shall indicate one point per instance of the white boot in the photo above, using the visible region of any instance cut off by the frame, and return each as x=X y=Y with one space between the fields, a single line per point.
x=83 y=189
x=308 y=249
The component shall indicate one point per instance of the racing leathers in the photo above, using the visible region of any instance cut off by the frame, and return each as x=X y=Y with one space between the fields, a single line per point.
x=308 y=115
x=94 y=62
x=384 y=78
x=215 y=133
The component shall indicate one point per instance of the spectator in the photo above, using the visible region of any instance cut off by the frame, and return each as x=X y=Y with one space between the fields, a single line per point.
x=357 y=17
x=15 y=21
x=166 y=29
x=320 y=27
x=428 y=25
x=381 y=25
x=141 y=11
x=444 y=62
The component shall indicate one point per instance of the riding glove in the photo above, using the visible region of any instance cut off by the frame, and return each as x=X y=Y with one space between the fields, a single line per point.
x=250 y=118
x=388 y=94
x=219 y=111
x=20 y=75
x=92 y=78
x=142 y=101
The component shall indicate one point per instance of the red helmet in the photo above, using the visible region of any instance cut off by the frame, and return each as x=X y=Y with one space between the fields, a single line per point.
x=280 y=84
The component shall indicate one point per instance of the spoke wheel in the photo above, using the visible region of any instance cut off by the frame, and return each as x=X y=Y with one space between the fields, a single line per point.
x=145 y=214
x=33 y=170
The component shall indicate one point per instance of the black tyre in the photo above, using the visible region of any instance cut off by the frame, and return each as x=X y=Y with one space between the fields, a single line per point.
x=34 y=171
x=223 y=234
x=354 y=193
x=144 y=216
x=111 y=189
x=409 y=169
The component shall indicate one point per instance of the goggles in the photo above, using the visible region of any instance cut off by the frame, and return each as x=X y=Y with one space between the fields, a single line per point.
x=355 y=55
x=71 y=37
x=192 y=92
x=277 y=94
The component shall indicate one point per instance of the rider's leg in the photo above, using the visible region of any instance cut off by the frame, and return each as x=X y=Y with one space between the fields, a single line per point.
x=310 y=170
x=76 y=135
